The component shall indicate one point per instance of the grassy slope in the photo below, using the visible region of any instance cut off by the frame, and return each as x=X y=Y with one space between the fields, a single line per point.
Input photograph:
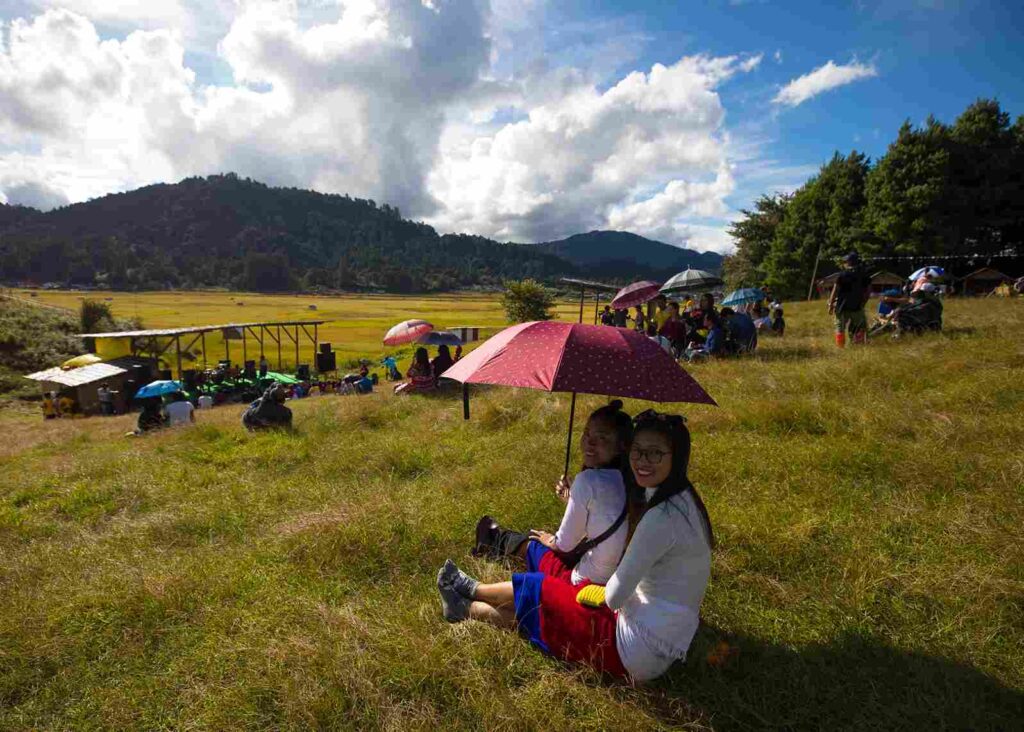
x=870 y=573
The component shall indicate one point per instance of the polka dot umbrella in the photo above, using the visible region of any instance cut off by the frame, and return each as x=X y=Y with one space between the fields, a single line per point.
x=573 y=357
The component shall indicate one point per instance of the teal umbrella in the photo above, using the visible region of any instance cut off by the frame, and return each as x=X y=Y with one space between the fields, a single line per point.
x=158 y=388
x=744 y=296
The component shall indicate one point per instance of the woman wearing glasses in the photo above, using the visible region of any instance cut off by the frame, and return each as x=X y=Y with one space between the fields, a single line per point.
x=647 y=615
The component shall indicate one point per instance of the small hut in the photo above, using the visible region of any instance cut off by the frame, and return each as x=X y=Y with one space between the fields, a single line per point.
x=81 y=384
x=882 y=281
x=983 y=281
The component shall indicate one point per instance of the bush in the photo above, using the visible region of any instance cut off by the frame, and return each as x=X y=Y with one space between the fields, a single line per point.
x=526 y=300
x=95 y=314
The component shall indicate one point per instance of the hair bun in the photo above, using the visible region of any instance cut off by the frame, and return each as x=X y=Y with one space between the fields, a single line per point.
x=615 y=404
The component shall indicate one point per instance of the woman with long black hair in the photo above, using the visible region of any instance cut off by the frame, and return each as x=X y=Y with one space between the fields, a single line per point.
x=647 y=615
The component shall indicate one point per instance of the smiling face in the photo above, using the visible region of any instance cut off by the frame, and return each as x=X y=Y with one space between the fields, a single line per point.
x=650 y=457
x=600 y=443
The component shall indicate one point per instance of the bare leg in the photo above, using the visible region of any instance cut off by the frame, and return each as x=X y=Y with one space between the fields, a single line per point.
x=502 y=617
x=497 y=595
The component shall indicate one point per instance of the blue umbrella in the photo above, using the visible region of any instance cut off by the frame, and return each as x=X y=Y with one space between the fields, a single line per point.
x=158 y=388
x=744 y=296
x=933 y=270
x=440 y=338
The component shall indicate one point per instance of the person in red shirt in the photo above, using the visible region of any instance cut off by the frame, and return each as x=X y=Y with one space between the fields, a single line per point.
x=674 y=329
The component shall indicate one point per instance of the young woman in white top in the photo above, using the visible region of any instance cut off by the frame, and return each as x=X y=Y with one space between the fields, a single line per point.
x=595 y=508
x=647 y=615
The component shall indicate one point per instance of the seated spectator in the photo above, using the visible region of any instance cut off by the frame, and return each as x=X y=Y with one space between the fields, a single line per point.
x=50 y=405
x=179 y=410
x=778 y=322
x=442 y=362
x=762 y=321
x=607 y=316
x=391 y=369
x=269 y=411
x=674 y=329
x=713 y=344
x=740 y=332
x=420 y=373
x=151 y=417
x=458 y=354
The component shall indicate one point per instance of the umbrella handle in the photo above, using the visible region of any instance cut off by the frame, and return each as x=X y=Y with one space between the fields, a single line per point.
x=568 y=442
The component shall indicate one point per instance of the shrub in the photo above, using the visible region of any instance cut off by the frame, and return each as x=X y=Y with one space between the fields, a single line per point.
x=526 y=300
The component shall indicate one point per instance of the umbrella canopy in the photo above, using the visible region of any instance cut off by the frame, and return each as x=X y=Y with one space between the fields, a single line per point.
x=440 y=338
x=406 y=332
x=592 y=359
x=931 y=269
x=635 y=294
x=691 y=279
x=87 y=359
x=158 y=388
x=744 y=296
x=280 y=378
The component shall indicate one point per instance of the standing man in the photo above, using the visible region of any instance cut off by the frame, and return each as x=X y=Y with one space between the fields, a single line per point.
x=264 y=366
x=849 y=295
x=106 y=399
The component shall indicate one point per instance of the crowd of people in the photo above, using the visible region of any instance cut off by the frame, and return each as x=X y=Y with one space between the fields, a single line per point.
x=424 y=374
x=699 y=330
x=619 y=585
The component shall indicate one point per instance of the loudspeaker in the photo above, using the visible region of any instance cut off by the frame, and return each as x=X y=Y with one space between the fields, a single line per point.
x=326 y=362
x=250 y=369
x=302 y=374
x=165 y=374
x=325 y=348
x=188 y=378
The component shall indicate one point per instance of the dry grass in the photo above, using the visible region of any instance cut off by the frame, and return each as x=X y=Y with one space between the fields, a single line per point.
x=870 y=573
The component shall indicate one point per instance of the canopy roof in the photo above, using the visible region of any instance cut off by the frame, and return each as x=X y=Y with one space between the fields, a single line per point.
x=195 y=329
x=591 y=285
x=77 y=377
x=885 y=276
x=987 y=273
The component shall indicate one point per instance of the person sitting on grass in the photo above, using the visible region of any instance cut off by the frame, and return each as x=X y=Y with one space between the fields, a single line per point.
x=179 y=410
x=269 y=411
x=420 y=373
x=596 y=510
x=778 y=321
x=442 y=362
x=714 y=341
x=151 y=417
x=762 y=321
x=741 y=333
x=647 y=615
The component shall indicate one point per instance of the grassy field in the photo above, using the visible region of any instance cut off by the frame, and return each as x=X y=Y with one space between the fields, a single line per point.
x=357 y=322
x=868 y=504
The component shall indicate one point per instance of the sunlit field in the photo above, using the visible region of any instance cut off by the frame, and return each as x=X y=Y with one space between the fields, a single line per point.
x=868 y=505
x=357 y=323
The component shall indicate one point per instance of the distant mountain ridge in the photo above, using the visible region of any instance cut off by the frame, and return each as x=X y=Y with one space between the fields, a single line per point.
x=227 y=231
x=610 y=253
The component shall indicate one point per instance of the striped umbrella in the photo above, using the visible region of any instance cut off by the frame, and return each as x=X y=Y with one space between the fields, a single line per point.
x=691 y=279
x=406 y=332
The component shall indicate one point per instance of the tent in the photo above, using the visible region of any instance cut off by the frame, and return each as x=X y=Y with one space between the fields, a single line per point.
x=983 y=281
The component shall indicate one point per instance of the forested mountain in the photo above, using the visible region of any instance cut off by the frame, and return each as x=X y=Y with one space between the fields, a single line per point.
x=953 y=191
x=232 y=232
x=609 y=254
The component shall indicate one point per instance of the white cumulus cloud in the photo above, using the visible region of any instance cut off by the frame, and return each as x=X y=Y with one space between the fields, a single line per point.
x=822 y=79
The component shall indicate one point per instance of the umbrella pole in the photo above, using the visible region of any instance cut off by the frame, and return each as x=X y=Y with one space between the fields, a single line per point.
x=465 y=400
x=568 y=442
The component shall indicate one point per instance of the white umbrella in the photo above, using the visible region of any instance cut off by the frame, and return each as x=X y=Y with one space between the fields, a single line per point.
x=691 y=279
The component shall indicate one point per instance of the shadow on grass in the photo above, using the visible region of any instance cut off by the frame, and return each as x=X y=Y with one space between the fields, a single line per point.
x=783 y=353
x=852 y=683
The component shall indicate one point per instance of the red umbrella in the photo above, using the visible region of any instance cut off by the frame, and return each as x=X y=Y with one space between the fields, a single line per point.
x=592 y=359
x=406 y=332
x=635 y=294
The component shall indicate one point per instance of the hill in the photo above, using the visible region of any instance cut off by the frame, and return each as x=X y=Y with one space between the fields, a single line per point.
x=608 y=254
x=225 y=231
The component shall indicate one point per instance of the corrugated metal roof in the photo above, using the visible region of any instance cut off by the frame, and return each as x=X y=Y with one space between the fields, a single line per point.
x=77 y=377
x=194 y=329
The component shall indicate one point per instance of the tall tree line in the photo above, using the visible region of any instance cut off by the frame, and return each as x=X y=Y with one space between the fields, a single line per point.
x=939 y=189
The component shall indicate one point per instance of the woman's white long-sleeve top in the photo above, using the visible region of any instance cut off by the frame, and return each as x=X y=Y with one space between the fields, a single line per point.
x=596 y=500
x=659 y=585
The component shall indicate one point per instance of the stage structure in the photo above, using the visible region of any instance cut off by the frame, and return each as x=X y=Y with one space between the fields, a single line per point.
x=175 y=346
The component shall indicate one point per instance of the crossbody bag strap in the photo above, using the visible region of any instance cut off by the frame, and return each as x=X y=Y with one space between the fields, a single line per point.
x=574 y=555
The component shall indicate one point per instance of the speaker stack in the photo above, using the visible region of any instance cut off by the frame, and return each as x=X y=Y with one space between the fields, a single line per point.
x=325 y=348
x=326 y=362
x=250 y=369
x=188 y=378
x=302 y=374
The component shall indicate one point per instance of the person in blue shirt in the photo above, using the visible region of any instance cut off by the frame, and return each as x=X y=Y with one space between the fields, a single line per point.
x=741 y=333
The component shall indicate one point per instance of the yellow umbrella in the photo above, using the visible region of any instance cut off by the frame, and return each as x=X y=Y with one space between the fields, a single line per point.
x=86 y=359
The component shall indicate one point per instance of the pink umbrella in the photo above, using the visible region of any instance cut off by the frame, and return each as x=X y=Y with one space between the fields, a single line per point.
x=635 y=294
x=573 y=357
x=406 y=332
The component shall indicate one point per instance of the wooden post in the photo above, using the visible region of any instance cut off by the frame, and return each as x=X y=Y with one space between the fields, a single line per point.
x=203 y=338
x=316 y=341
x=227 y=346
x=814 y=274
x=279 y=349
x=583 y=294
x=597 y=304
x=245 y=351
x=465 y=400
x=296 y=349
x=177 y=348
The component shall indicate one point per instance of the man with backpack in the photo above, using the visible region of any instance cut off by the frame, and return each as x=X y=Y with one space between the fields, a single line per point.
x=847 y=300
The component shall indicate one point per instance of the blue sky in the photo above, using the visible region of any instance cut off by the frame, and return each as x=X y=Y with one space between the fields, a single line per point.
x=516 y=119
